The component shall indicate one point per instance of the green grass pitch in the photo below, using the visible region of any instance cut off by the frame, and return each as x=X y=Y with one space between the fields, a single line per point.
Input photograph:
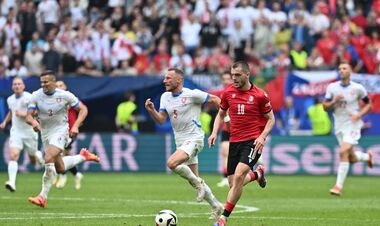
x=134 y=199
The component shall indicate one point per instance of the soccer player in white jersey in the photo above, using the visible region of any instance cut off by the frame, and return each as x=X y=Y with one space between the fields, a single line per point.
x=183 y=106
x=51 y=105
x=22 y=136
x=343 y=97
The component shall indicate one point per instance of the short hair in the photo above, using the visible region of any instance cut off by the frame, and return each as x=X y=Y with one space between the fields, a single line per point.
x=176 y=70
x=46 y=73
x=243 y=65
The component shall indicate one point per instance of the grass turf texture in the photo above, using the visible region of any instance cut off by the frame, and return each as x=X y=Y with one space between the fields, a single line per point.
x=134 y=199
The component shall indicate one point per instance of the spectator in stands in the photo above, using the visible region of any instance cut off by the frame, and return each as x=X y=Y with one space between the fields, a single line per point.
x=33 y=60
x=264 y=35
x=26 y=17
x=288 y=118
x=37 y=41
x=282 y=61
x=278 y=17
x=359 y=19
x=300 y=31
x=318 y=22
x=298 y=57
x=48 y=14
x=209 y=35
x=161 y=59
x=52 y=59
x=315 y=61
x=4 y=59
x=199 y=61
x=78 y=13
x=283 y=35
x=12 y=33
x=3 y=71
x=102 y=45
x=182 y=60
x=326 y=46
x=89 y=69
x=319 y=118
x=190 y=33
x=126 y=114
x=239 y=41
x=218 y=61
x=299 y=12
x=18 y=69
x=124 y=70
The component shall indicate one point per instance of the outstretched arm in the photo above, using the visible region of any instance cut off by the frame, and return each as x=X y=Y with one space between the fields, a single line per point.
x=159 y=117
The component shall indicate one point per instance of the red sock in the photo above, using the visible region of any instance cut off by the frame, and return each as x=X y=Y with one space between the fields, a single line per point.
x=225 y=171
x=229 y=206
x=252 y=175
x=228 y=209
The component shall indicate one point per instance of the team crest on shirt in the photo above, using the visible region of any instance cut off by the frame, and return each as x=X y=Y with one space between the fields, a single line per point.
x=233 y=95
x=58 y=100
x=183 y=100
x=250 y=99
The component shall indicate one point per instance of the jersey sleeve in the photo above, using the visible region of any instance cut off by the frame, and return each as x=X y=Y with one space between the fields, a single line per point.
x=329 y=95
x=71 y=99
x=362 y=92
x=265 y=105
x=199 y=96
x=32 y=103
x=162 y=103
x=224 y=103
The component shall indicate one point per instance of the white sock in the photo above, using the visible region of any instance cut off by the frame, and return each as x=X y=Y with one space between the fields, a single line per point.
x=71 y=161
x=47 y=179
x=342 y=173
x=209 y=196
x=12 y=172
x=185 y=172
x=40 y=157
x=362 y=157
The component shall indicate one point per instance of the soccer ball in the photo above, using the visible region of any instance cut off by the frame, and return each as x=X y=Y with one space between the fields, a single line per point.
x=166 y=218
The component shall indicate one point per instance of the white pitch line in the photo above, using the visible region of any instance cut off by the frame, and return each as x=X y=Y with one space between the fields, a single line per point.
x=240 y=209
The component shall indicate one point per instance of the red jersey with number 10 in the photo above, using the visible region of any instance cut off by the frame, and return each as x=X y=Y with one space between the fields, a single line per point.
x=247 y=111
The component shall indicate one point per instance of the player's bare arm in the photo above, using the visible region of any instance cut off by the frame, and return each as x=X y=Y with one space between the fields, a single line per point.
x=214 y=100
x=21 y=114
x=7 y=119
x=31 y=121
x=364 y=110
x=260 y=141
x=159 y=117
x=217 y=122
x=82 y=114
x=329 y=104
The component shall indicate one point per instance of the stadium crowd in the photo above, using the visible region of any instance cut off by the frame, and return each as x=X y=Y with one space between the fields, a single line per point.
x=134 y=37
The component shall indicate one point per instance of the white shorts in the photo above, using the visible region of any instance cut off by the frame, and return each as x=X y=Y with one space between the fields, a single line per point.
x=192 y=148
x=350 y=134
x=58 y=139
x=26 y=143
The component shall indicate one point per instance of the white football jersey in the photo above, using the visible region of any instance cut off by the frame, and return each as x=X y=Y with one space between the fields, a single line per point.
x=52 y=109
x=348 y=106
x=184 y=112
x=19 y=125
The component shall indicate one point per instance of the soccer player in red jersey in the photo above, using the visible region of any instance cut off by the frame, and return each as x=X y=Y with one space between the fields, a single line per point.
x=251 y=121
x=72 y=116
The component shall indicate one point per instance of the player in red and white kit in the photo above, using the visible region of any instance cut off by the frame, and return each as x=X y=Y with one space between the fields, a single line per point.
x=251 y=121
x=72 y=116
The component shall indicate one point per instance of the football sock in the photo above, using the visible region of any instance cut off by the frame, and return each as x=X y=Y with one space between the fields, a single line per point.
x=342 y=173
x=228 y=209
x=40 y=157
x=251 y=176
x=185 y=172
x=209 y=196
x=12 y=172
x=71 y=161
x=225 y=171
x=74 y=170
x=47 y=179
x=362 y=157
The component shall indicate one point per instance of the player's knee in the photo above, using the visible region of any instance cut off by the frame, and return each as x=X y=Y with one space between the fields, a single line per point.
x=14 y=156
x=171 y=163
x=59 y=169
